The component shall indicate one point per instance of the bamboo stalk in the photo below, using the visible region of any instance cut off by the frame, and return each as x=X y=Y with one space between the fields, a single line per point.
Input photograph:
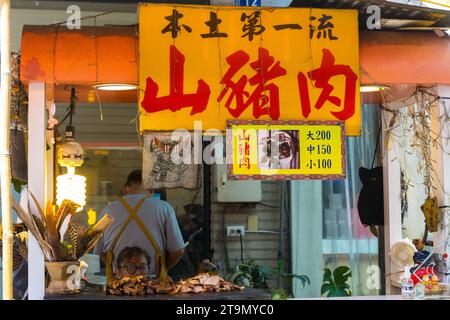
x=5 y=157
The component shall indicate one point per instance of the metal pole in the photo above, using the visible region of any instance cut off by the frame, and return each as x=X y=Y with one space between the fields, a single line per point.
x=280 y=256
x=206 y=207
x=5 y=157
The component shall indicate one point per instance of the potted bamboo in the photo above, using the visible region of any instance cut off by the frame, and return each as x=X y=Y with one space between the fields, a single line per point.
x=61 y=258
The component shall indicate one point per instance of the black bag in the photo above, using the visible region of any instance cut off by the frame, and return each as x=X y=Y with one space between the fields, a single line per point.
x=370 y=201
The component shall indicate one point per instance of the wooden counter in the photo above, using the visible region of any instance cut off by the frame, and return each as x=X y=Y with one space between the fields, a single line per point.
x=246 y=294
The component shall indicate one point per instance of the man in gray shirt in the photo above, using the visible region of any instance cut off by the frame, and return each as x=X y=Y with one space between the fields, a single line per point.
x=154 y=228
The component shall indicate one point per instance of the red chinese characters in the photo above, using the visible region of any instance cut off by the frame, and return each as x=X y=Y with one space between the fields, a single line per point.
x=265 y=96
x=321 y=77
x=177 y=99
x=244 y=150
x=259 y=91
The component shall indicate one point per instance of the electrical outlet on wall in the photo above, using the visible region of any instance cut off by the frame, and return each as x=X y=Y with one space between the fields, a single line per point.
x=234 y=231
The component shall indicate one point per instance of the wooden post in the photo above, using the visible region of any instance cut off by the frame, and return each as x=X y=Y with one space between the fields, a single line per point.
x=5 y=157
x=392 y=196
x=36 y=183
x=441 y=156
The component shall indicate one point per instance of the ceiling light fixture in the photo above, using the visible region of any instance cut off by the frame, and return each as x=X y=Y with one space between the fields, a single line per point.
x=373 y=88
x=115 y=87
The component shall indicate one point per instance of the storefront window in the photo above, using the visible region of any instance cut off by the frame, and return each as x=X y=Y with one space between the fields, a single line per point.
x=326 y=228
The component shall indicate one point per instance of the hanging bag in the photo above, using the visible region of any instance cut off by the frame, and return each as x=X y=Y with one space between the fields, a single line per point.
x=371 y=200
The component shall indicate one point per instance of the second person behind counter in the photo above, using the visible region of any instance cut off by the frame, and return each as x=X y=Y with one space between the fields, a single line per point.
x=144 y=222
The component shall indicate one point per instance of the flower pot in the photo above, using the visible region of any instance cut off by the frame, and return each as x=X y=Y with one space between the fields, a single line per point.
x=65 y=277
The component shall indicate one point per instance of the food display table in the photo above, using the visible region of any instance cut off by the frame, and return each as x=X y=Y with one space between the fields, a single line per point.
x=388 y=297
x=246 y=294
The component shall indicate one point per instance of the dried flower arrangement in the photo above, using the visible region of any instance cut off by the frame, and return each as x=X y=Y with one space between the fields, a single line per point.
x=418 y=118
x=47 y=228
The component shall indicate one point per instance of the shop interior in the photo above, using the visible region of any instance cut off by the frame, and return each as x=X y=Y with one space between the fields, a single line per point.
x=294 y=227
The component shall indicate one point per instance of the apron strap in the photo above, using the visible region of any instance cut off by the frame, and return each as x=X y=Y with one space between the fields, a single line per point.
x=130 y=217
x=160 y=257
x=109 y=254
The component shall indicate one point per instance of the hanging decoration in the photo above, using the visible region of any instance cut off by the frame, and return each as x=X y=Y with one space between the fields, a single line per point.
x=417 y=118
x=159 y=168
x=70 y=154
x=19 y=109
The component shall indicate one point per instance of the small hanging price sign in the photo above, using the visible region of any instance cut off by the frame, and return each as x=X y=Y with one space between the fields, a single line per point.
x=286 y=150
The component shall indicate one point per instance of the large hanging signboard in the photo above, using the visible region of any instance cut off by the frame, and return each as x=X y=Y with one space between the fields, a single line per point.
x=214 y=63
x=281 y=150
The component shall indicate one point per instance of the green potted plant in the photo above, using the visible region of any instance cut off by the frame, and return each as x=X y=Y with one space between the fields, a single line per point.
x=61 y=257
x=335 y=284
x=250 y=274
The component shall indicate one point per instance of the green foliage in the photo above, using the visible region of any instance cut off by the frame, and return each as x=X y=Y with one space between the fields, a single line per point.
x=374 y=231
x=279 y=294
x=250 y=274
x=336 y=285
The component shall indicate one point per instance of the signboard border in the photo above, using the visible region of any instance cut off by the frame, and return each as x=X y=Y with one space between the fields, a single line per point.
x=156 y=119
x=229 y=143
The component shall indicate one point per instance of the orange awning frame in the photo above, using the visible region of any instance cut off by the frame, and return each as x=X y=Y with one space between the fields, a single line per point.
x=97 y=55
x=394 y=57
x=81 y=59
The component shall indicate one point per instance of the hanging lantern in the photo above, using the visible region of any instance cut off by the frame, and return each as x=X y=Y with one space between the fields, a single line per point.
x=71 y=186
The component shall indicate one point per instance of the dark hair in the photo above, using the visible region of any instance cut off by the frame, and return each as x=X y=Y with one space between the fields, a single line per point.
x=135 y=177
x=129 y=252
x=162 y=193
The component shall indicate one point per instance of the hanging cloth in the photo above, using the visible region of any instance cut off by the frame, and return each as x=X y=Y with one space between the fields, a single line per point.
x=160 y=258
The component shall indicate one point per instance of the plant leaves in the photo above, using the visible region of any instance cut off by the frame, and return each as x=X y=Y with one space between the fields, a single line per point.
x=326 y=287
x=373 y=230
x=336 y=285
x=327 y=275
x=341 y=275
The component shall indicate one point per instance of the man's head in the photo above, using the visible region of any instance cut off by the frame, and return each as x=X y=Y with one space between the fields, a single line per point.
x=134 y=183
x=133 y=261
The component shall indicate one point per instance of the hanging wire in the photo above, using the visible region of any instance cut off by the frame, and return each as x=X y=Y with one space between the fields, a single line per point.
x=96 y=69
x=99 y=104
x=83 y=18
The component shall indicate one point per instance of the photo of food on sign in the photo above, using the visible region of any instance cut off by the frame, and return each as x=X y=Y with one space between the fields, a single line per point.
x=278 y=149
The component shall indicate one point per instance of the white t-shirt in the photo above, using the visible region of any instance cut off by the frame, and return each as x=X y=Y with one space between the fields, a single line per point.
x=159 y=218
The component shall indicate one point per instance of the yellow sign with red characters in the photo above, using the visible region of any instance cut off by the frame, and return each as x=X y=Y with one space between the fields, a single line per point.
x=286 y=150
x=214 y=63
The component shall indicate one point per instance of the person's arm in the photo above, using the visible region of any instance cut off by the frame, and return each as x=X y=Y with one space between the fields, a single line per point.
x=99 y=246
x=175 y=242
x=173 y=258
